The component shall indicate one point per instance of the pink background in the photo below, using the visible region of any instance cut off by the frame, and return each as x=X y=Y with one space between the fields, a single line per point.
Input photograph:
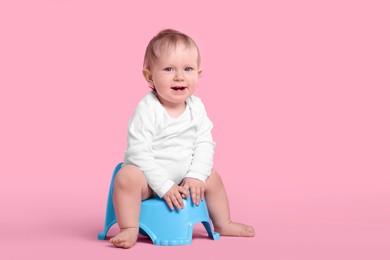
x=298 y=92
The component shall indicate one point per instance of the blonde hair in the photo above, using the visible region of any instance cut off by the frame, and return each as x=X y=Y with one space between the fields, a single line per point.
x=164 y=41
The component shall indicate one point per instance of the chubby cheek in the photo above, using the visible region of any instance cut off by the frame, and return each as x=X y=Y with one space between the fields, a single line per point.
x=192 y=81
x=195 y=84
x=162 y=82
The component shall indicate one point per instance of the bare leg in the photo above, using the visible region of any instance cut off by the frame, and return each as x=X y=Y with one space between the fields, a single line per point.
x=130 y=188
x=218 y=207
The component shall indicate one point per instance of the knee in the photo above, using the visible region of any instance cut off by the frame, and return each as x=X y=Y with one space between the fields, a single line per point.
x=215 y=175
x=214 y=180
x=129 y=176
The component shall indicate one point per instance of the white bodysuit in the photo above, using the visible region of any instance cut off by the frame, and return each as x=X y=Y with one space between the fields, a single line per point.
x=169 y=149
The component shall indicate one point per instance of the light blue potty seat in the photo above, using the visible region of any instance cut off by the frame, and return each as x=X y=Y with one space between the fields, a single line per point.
x=164 y=226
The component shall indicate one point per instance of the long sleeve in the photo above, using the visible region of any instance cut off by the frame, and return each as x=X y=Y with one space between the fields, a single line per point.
x=141 y=131
x=203 y=156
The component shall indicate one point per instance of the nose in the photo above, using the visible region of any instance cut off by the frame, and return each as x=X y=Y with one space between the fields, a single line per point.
x=179 y=76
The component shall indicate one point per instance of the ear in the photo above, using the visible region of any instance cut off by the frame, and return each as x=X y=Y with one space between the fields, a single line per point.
x=200 y=72
x=148 y=76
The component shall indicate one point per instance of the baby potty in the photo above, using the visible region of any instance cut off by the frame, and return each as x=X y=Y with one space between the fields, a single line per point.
x=164 y=226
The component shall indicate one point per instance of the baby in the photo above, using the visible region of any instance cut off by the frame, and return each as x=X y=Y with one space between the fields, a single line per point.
x=170 y=146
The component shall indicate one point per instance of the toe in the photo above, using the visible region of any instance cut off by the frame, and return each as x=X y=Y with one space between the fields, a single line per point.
x=250 y=232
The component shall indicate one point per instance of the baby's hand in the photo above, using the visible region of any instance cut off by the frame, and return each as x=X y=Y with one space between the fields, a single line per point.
x=173 y=197
x=196 y=187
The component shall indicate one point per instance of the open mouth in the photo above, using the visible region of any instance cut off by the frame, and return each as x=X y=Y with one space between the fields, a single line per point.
x=178 y=88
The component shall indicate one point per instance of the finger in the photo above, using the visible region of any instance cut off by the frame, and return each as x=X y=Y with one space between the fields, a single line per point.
x=197 y=196
x=202 y=190
x=186 y=187
x=175 y=202
x=184 y=191
x=177 y=197
x=169 y=203
x=194 y=195
x=180 y=200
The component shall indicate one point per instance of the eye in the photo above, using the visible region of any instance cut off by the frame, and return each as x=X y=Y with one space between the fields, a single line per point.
x=168 y=69
x=188 y=69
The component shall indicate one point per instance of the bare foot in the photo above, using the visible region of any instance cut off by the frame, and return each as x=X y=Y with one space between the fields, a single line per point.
x=126 y=238
x=234 y=229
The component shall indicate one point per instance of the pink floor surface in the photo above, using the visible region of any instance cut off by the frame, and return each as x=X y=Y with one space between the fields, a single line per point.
x=66 y=227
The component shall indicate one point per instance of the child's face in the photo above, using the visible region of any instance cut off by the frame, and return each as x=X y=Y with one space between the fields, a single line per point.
x=174 y=75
